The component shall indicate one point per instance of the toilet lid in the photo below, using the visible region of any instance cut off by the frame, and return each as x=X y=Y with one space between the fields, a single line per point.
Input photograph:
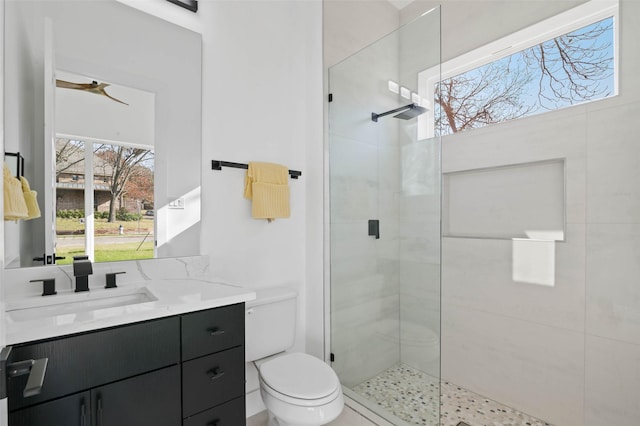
x=300 y=376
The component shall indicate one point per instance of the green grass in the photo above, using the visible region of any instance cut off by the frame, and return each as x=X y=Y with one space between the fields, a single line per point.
x=110 y=253
x=106 y=252
x=101 y=226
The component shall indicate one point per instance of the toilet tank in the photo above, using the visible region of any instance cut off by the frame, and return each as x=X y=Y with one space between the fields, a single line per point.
x=270 y=322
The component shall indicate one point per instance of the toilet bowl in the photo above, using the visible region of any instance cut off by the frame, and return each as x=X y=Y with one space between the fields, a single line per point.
x=296 y=388
x=299 y=389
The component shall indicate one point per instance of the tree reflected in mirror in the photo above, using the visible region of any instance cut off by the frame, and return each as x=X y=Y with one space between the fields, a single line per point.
x=120 y=188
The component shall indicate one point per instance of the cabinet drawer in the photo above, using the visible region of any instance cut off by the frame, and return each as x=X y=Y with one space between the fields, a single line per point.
x=229 y=413
x=210 y=331
x=211 y=380
x=81 y=362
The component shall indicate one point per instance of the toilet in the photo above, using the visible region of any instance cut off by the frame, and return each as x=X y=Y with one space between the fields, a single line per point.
x=297 y=389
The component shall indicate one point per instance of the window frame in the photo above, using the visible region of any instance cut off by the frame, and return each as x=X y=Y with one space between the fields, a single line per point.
x=562 y=23
x=90 y=206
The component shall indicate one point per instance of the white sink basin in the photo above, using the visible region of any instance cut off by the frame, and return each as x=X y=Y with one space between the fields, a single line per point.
x=94 y=300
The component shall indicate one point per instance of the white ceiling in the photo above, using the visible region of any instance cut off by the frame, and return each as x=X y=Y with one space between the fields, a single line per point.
x=400 y=4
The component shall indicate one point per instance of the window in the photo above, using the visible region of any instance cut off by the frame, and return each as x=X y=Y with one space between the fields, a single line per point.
x=563 y=61
x=118 y=187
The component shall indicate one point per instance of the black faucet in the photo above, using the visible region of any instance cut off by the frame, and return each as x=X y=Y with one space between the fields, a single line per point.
x=81 y=270
x=48 y=286
x=111 y=279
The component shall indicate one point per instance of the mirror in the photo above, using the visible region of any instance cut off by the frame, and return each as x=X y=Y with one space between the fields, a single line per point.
x=90 y=83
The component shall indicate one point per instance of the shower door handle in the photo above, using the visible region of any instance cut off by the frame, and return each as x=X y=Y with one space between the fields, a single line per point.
x=374 y=228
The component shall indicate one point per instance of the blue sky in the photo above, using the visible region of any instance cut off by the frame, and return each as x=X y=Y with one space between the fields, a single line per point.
x=530 y=92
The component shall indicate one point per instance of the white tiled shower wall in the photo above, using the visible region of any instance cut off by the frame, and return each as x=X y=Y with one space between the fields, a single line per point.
x=569 y=354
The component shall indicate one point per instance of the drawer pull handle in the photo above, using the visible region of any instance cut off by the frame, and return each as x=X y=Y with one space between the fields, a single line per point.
x=216 y=422
x=215 y=331
x=215 y=373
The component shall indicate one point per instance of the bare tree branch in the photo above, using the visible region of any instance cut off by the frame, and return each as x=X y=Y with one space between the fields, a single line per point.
x=572 y=65
x=568 y=69
x=123 y=163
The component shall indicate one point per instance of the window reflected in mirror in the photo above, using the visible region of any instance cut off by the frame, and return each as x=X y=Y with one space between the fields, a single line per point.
x=118 y=185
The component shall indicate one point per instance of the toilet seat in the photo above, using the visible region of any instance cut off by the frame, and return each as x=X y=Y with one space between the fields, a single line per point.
x=300 y=379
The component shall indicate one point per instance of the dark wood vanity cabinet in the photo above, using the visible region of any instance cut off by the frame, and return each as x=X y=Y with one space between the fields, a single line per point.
x=213 y=375
x=151 y=399
x=186 y=369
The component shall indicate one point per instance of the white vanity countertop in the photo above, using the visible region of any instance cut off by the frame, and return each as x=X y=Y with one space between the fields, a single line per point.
x=42 y=317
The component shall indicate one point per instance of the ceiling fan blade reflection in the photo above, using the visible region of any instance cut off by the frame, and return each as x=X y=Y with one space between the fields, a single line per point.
x=93 y=87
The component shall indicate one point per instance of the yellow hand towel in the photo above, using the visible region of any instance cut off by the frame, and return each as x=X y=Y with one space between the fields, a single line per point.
x=14 y=205
x=30 y=199
x=267 y=185
x=270 y=201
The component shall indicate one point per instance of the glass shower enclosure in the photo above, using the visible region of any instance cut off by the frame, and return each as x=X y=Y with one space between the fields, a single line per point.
x=385 y=197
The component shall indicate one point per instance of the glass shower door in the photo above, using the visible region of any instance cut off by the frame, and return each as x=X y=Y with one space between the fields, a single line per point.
x=385 y=224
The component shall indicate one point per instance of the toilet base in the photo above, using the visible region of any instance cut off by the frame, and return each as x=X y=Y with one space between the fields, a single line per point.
x=292 y=415
x=274 y=421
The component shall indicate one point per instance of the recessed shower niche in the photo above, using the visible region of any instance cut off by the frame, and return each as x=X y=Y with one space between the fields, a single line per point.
x=512 y=201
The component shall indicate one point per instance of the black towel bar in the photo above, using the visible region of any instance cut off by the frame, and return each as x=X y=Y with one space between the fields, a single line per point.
x=19 y=162
x=218 y=165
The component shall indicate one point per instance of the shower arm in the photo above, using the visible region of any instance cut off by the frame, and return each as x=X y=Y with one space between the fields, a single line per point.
x=374 y=116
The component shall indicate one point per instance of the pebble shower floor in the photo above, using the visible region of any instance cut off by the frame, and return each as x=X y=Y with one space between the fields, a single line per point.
x=412 y=396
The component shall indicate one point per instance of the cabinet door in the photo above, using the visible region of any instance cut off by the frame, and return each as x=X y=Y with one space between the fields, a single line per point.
x=72 y=410
x=152 y=399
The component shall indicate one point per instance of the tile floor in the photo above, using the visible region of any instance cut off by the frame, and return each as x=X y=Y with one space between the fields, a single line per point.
x=349 y=417
x=405 y=392
x=412 y=396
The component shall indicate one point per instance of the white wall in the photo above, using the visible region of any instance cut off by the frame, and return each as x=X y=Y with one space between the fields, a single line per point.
x=352 y=25
x=262 y=101
x=487 y=20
